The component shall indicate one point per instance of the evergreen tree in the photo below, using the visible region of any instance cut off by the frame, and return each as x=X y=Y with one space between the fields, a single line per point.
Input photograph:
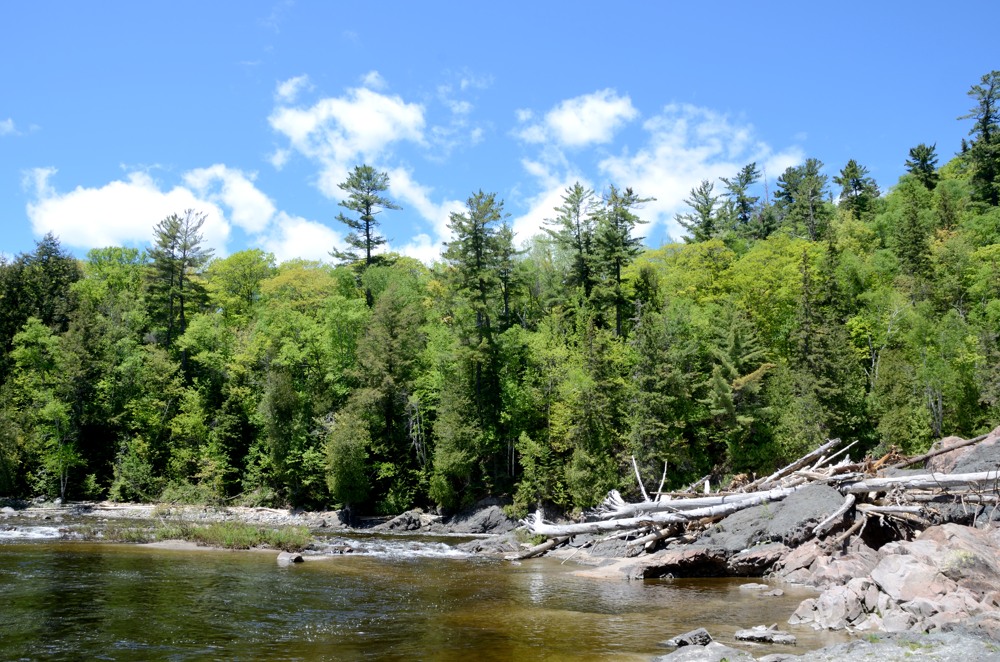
x=173 y=283
x=984 y=152
x=743 y=204
x=617 y=247
x=365 y=188
x=922 y=164
x=702 y=222
x=858 y=191
x=800 y=199
x=573 y=232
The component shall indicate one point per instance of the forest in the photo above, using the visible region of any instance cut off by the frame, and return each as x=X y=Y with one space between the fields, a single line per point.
x=545 y=371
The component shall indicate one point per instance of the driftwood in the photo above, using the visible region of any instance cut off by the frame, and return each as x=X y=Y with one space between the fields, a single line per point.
x=830 y=521
x=794 y=466
x=616 y=507
x=924 y=482
x=537 y=526
x=911 y=500
x=539 y=549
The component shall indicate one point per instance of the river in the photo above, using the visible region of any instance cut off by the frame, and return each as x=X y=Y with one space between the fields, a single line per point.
x=398 y=599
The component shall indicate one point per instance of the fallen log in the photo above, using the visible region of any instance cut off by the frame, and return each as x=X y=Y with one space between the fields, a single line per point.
x=830 y=521
x=615 y=507
x=924 y=482
x=794 y=466
x=538 y=550
x=536 y=525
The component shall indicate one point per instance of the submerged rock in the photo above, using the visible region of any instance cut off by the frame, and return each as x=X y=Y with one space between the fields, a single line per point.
x=765 y=635
x=712 y=652
x=287 y=558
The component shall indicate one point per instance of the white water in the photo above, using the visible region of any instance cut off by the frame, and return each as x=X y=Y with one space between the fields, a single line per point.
x=29 y=533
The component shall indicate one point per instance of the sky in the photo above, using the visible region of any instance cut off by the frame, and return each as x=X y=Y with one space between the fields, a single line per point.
x=114 y=115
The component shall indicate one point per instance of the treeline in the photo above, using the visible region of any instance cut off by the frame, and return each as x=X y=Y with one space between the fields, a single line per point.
x=536 y=373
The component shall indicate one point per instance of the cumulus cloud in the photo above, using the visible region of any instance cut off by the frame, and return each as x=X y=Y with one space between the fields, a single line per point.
x=296 y=237
x=339 y=132
x=426 y=247
x=682 y=145
x=373 y=81
x=581 y=121
x=288 y=90
x=687 y=144
x=120 y=212
x=7 y=127
x=251 y=209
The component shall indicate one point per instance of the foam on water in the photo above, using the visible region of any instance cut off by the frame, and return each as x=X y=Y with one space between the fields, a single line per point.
x=405 y=549
x=29 y=533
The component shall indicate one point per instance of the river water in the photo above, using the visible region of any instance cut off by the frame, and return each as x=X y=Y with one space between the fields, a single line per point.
x=399 y=599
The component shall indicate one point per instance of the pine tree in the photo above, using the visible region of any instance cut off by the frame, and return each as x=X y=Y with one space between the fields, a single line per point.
x=365 y=188
x=617 y=247
x=984 y=152
x=176 y=260
x=922 y=164
x=858 y=190
x=743 y=204
x=573 y=231
x=702 y=222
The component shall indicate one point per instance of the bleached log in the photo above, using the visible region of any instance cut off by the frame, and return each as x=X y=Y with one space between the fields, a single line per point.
x=538 y=550
x=614 y=507
x=537 y=526
x=889 y=510
x=666 y=532
x=830 y=521
x=794 y=466
x=925 y=482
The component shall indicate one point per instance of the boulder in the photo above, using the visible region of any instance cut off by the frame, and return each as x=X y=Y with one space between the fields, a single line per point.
x=713 y=652
x=765 y=635
x=491 y=519
x=984 y=456
x=408 y=521
x=699 y=637
x=288 y=558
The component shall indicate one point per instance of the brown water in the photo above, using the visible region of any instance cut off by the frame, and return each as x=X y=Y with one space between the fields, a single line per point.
x=408 y=600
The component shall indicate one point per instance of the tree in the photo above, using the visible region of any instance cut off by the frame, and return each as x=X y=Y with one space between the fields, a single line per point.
x=858 y=190
x=984 y=152
x=800 y=198
x=702 y=222
x=573 y=232
x=234 y=282
x=364 y=187
x=738 y=192
x=617 y=246
x=174 y=284
x=922 y=164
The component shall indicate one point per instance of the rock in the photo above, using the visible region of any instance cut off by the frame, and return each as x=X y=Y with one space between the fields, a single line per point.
x=983 y=456
x=8 y=511
x=287 y=558
x=713 y=652
x=408 y=521
x=776 y=593
x=904 y=578
x=754 y=587
x=699 y=637
x=757 y=560
x=765 y=635
x=680 y=562
x=491 y=519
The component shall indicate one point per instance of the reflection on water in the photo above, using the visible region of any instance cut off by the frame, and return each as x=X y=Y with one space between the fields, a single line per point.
x=117 y=602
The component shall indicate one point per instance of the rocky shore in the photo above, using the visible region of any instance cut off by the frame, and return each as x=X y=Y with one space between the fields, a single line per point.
x=925 y=586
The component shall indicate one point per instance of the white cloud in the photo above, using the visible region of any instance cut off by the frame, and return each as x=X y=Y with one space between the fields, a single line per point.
x=373 y=81
x=297 y=237
x=7 y=127
x=251 y=209
x=339 y=132
x=412 y=195
x=120 y=212
x=686 y=145
x=581 y=121
x=288 y=90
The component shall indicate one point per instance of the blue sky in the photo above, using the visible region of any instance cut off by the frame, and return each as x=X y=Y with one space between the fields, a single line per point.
x=116 y=114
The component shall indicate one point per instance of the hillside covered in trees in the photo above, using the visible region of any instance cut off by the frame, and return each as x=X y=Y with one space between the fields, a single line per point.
x=813 y=307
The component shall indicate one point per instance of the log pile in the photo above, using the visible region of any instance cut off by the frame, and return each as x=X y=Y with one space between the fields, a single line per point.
x=907 y=502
